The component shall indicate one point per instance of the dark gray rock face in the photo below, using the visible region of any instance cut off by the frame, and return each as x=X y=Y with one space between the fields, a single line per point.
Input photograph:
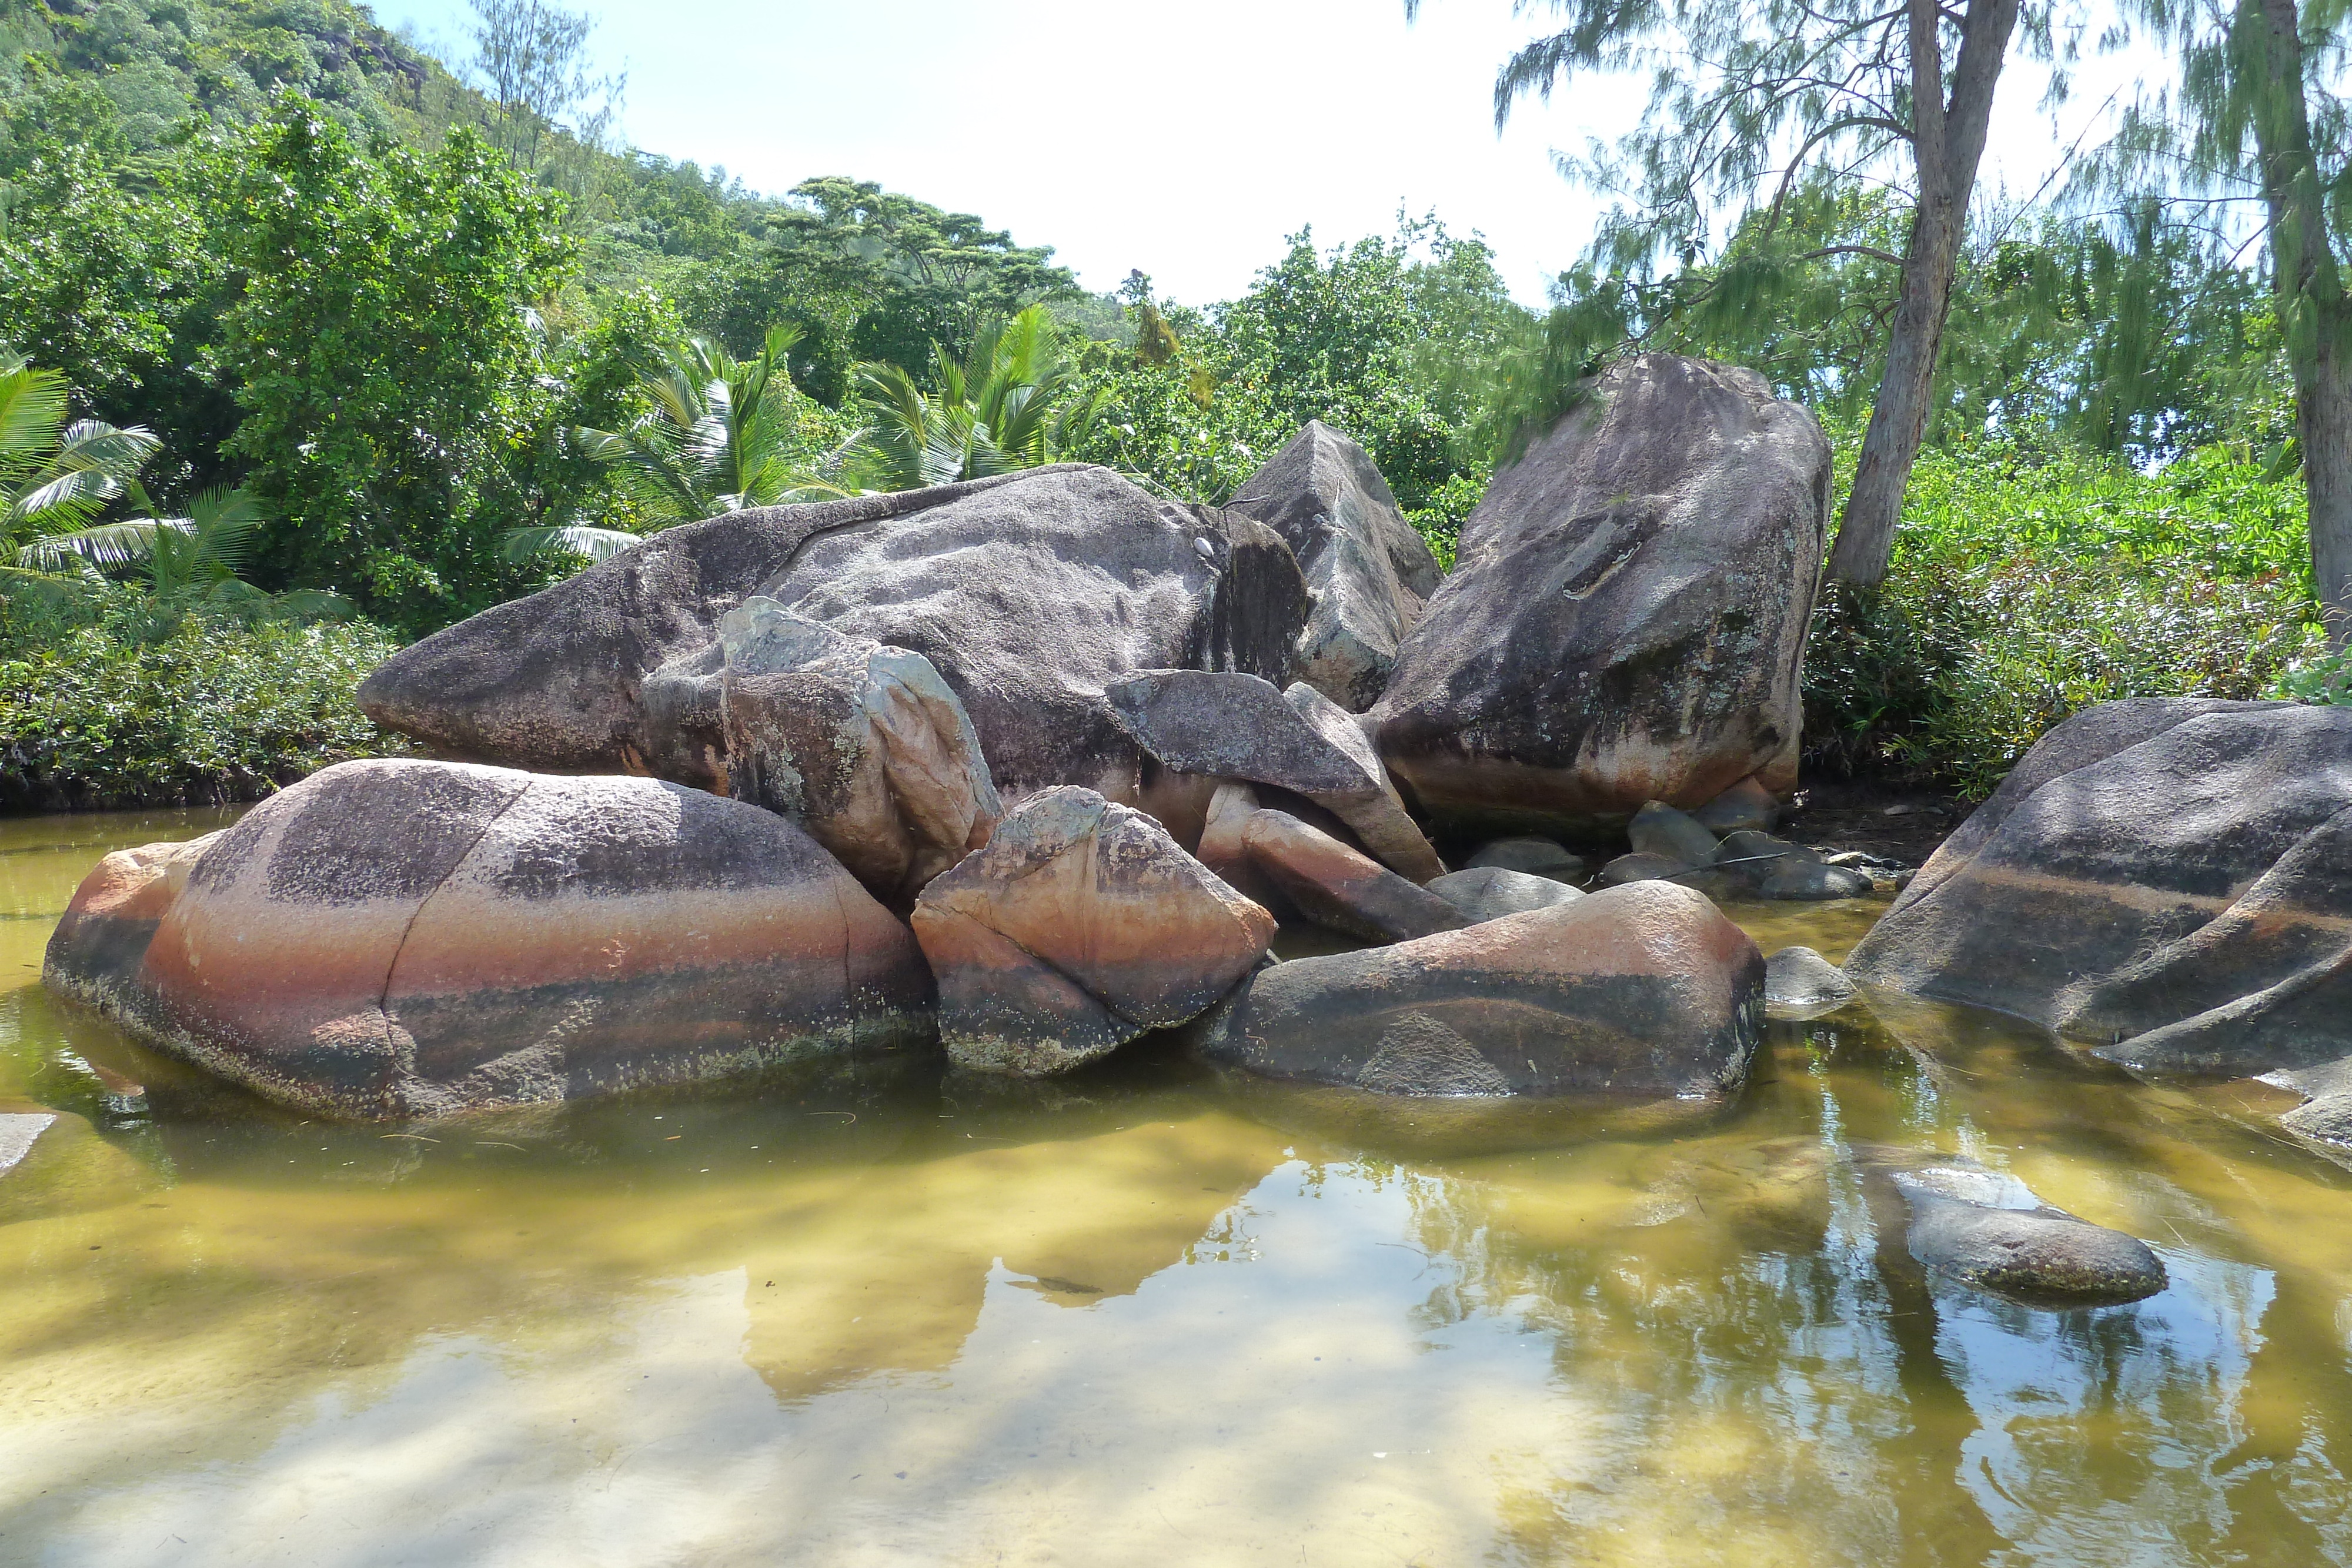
x=400 y=939
x=1029 y=592
x=1986 y=1230
x=1369 y=570
x=1491 y=892
x=1233 y=726
x=2169 y=879
x=1537 y=857
x=1798 y=983
x=1626 y=618
x=1658 y=829
x=1635 y=994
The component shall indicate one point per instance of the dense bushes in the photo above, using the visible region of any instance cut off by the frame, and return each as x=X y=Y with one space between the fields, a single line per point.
x=2025 y=588
x=121 y=711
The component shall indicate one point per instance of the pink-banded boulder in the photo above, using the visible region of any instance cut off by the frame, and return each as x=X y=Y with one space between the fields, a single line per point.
x=1081 y=926
x=2167 y=880
x=403 y=939
x=1626 y=618
x=1635 y=994
x=1334 y=886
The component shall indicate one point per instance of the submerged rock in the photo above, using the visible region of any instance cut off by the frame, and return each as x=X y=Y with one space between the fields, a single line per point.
x=1798 y=983
x=1635 y=994
x=53 y=1162
x=1987 y=1230
x=1626 y=618
x=1078 y=927
x=862 y=745
x=1333 y=885
x=400 y=938
x=1029 y=593
x=1236 y=725
x=1367 y=569
x=1491 y=892
x=1535 y=857
x=2166 y=879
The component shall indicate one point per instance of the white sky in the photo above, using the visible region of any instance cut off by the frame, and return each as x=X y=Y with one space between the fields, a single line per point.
x=1184 y=139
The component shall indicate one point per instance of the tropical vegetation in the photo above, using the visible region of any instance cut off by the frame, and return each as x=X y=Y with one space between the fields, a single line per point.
x=316 y=344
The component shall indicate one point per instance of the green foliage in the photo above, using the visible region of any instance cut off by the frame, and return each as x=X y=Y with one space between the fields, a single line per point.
x=384 y=349
x=718 y=434
x=1011 y=404
x=55 y=477
x=102 y=716
x=2023 y=591
x=1370 y=338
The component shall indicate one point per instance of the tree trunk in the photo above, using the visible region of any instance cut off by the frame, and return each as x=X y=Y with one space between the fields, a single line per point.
x=1947 y=142
x=2312 y=303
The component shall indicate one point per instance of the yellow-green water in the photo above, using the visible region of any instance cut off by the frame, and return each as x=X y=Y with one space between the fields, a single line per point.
x=1143 y=1319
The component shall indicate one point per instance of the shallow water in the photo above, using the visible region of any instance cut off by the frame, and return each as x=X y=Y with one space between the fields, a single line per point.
x=1142 y=1319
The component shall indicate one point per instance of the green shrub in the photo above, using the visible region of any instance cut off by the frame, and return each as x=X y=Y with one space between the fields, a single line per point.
x=2025 y=589
x=111 y=714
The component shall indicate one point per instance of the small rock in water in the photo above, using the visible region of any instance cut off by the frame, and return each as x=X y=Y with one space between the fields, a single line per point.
x=1537 y=857
x=1971 y=1226
x=1659 y=829
x=1810 y=881
x=1746 y=805
x=1798 y=983
x=1490 y=891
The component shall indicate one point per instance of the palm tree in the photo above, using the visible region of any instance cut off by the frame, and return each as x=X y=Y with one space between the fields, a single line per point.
x=723 y=433
x=189 y=563
x=1013 y=403
x=55 y=475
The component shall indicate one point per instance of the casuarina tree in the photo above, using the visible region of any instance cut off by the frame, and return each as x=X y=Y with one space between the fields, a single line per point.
x=2254 y=118
x=1754 y=102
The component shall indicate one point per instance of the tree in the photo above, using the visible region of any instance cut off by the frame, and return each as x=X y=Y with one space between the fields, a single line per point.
x=1751 y=95
x=531 y=58
x=384 y=346
x=720 y=435
x=2256 y=119
x=1011 y=404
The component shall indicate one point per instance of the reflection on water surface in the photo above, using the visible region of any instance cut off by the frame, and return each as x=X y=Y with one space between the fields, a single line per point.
x=1143 y=1318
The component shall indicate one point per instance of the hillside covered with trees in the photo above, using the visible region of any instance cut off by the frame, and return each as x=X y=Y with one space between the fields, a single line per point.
x=316 y=344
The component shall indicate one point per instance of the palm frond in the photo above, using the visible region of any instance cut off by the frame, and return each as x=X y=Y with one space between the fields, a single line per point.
x=105 y=546
x=599 y=544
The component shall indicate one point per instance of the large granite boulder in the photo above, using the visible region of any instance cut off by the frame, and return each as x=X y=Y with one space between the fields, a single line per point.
x=1029 y=592
x=407 y=938
x=1491 y=892
x=1637 y=993
x=1078 y=927
x=2166 y=879
x=1228 y=725
x=864 y=746
x=1369 y=570
x=1626 y=618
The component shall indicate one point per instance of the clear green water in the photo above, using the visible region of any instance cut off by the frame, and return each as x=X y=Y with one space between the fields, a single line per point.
x=1144 y=1320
